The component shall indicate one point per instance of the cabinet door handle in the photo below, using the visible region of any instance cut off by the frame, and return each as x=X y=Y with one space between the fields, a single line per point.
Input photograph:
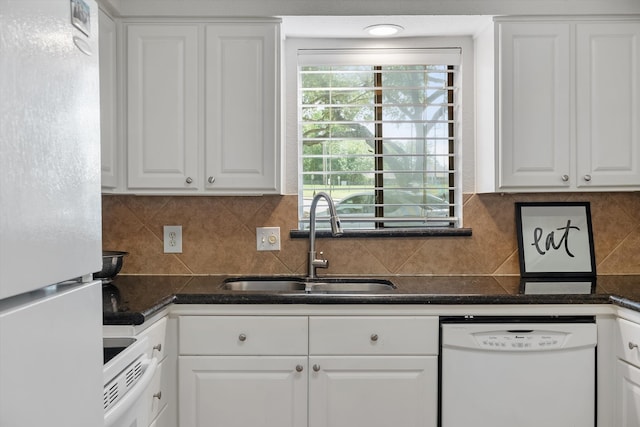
x=299 y=368
x=211 y=180
x=632 y=345
x=157 y=347
x=189 y=180
x=158 y=395
x=374 y=337
x=565 y=178
x=316 y=368
x=587 y=178
x=242 y=337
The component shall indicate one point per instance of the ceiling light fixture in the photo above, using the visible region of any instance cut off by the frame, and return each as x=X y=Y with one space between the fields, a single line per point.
x=383 y=29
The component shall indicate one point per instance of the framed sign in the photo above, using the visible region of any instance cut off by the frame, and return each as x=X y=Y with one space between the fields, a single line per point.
x=558 y=286
x=555 y=239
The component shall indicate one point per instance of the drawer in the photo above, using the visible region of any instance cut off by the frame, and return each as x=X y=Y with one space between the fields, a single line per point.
x=157 y=336
x=243 y=335
x=628 y=341
x=157 y=392
x=161 y=420
x=402 y=335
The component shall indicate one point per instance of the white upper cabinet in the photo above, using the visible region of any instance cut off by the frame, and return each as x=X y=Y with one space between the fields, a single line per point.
x=567 y=105
x=241 y=107
x=203 y=107
x=108 y=102
x=608 y=104
x=162 y=106
x=534 y=99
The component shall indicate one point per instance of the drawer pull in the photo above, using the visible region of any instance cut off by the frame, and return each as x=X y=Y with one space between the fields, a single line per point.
x=632 y=345
x=299 y=368
x=242 y=337
x=316 y=368
x=374 y=337
x=158 y=347
x=158 y=395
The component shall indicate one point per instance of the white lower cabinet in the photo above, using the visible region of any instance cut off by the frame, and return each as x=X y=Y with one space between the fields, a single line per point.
x=241 y=391
x=627 y=395
x=238 y=371
x=303 y=371
x=160 y=391
x=373 y=371
x=373 y=391
x=627 y=375
x=160 y=421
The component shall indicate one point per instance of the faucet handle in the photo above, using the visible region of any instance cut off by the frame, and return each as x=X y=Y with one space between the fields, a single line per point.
x=321 y=261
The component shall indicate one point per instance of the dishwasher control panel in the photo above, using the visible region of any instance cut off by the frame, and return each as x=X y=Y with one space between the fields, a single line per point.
x=525 y=340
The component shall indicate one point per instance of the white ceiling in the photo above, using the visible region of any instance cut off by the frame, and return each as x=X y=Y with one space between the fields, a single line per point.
x=414 y=25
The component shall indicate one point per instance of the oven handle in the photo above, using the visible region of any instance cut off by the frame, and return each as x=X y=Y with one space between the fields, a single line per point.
x=133 y=396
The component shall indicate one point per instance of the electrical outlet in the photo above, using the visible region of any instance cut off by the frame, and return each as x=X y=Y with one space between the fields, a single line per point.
x=268 y=238
x=172 y=239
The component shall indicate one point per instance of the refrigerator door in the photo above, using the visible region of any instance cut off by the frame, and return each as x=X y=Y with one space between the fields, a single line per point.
x=51 y=357
x=50 y=218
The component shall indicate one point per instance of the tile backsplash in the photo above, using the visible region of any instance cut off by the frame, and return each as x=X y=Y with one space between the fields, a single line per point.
x=219 y=237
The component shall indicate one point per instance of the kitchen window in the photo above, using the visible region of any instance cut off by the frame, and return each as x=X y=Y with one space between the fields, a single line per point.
x=378 y=131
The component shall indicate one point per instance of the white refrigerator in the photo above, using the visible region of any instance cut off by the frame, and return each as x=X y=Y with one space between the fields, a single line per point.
x=50 y=215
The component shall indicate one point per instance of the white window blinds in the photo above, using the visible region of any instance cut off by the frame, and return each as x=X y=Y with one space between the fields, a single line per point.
x=378 y=132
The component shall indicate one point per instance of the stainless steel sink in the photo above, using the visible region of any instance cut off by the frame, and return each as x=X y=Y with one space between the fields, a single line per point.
x=295 y=285
x=252 y=285
x=372 y=287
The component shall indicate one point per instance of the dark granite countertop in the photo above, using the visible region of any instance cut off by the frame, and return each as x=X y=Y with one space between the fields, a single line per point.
x=130 y=300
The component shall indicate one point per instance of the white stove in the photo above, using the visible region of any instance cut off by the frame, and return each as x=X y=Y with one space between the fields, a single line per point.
x=128 y=371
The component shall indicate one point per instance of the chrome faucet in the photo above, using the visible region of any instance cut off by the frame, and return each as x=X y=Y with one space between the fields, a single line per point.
x=336 y=230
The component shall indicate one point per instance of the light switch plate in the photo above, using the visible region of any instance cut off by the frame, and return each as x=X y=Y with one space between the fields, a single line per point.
x=172 y=239
x=268 y=238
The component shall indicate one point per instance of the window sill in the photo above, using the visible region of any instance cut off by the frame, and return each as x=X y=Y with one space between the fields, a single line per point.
x=400 y=232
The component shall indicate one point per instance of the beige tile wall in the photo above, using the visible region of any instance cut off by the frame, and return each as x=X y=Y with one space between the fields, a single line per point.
x=219 y=237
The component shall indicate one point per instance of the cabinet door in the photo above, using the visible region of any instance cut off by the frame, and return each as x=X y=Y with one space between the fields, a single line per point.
x=534 y=129
x=162 y=106
x=627 y=395
x=373 y=391
x=242 y=107
x=108 y=103
x=241 y=391
x=608 y=104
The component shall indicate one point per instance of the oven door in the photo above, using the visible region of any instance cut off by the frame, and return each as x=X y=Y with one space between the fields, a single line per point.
x=132 y=410
x=126 y=392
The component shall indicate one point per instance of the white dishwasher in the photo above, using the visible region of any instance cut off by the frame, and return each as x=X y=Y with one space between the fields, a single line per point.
x=518 y=372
